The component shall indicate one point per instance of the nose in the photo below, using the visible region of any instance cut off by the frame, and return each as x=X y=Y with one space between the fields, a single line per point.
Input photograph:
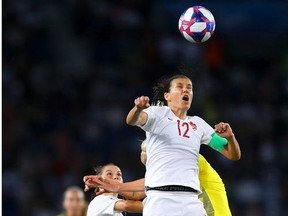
x=185 y=90
x=74 y=203
x=116 y=177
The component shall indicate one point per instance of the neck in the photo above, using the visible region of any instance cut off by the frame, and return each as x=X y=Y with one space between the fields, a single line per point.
x=180 y=113
x=73 y=214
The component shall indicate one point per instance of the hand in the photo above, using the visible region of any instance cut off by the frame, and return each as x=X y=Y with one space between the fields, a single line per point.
x=142 y=102
x=224 y=130
x=94 y=181
x=231 y=151
x=91 y=181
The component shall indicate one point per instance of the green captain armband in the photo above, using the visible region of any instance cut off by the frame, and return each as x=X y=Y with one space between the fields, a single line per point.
x=217 y=142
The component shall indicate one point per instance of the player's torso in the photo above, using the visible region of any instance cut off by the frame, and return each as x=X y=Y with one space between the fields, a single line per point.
x=172 y=150
x=173 y=134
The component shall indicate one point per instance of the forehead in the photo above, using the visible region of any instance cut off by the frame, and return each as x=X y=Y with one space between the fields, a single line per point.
x=74 y=194
x=184 y=81
x=111 y=168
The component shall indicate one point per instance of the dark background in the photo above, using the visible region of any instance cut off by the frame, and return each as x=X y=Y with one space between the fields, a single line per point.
x=71 y=71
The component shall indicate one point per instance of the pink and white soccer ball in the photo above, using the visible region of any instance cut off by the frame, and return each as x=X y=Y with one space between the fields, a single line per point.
x=197 y=24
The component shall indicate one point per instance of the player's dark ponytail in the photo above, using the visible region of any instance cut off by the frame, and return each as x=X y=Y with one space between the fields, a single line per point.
x=159 y=90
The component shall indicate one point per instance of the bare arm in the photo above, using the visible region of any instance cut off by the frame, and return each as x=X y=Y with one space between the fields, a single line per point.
x=136 y=186
x=134 y=195
x=136 y=190
x=129 y=206
x=232 y=149
x=136 y=116
x=94 y=181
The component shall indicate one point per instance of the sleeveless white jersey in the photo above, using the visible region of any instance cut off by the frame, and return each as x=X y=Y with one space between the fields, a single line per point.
x=103 y=205
x=172 y=147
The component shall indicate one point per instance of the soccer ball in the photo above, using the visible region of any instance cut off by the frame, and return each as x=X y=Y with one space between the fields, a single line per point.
x=196 y=24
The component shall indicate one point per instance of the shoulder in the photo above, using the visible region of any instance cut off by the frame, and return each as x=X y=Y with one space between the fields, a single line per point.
x=201 y=157
x=102 y=204
x=99 y=200
x=104 y=197
x=199 y=121
x=202 y=163
x=157 y=110
x=196 y=118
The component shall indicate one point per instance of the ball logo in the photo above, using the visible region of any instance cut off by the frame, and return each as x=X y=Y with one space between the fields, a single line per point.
x=185 y=26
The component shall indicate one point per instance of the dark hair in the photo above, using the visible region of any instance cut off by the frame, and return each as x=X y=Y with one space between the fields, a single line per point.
x=99 y=169
x=162 y=87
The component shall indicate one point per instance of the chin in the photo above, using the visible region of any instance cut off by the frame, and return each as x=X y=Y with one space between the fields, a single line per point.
x=186 y=105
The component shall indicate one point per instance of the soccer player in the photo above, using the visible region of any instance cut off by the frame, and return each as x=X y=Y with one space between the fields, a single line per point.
x=213 y=190
x=108 y=203
x=173 y=144
x=74 y=202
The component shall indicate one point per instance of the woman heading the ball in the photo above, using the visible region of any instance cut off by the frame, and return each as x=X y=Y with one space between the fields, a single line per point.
x=173 y=144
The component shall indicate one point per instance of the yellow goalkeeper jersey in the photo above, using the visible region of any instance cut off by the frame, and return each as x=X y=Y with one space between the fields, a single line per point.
x=213 y=193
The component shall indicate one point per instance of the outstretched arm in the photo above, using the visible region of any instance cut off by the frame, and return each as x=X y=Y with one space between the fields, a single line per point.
x=134 y=195
x=136 y=116
x=133 y=190
x=232 y=149
x=94 y=181
x=129 y=206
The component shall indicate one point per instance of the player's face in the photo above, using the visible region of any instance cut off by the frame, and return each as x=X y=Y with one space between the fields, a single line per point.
x=180 y=95
x=74 y=203
x=112 y=172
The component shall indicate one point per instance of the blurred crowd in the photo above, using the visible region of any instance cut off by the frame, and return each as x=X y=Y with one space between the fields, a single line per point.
x=72 y=68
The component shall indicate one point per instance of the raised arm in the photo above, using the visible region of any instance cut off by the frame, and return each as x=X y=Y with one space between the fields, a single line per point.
x=232 y=149
x=136 y=116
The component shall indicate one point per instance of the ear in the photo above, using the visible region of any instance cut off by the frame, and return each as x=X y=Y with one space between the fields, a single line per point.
x=166 y=96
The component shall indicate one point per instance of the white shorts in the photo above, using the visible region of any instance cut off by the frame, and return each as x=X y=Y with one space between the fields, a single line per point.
x=171 y=203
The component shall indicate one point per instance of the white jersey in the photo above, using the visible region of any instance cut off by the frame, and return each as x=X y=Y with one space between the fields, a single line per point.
x=103 y=205
x=172 y=147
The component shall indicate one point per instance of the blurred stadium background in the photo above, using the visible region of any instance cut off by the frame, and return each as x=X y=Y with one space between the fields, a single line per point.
x=72 y=68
